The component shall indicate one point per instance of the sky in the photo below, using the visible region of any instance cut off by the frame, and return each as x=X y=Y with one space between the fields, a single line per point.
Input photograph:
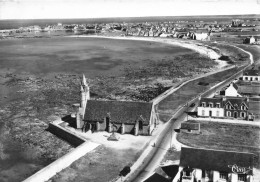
x=45 y=9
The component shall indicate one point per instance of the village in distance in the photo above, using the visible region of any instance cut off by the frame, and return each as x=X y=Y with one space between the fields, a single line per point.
x=175 y=99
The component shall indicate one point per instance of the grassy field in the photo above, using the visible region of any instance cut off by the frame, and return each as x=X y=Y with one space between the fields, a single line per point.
x=36 y=90
x=224 y=136
x=254 y=49
x=46 y=95
x=93 y=163
x=168 y=106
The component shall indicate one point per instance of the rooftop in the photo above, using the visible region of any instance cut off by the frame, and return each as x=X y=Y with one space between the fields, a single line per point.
x=118 y=111
x=218 y=160
x=251 y=73
x=190 y=126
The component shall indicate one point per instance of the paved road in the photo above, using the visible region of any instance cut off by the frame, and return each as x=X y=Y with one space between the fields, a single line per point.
x=152 y=156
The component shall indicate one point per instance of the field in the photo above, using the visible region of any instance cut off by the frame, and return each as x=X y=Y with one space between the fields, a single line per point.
x=168 y=106
x=41 y=82
x=225 y=136
x=93 y=163
x=254 y=49
x=93 y=57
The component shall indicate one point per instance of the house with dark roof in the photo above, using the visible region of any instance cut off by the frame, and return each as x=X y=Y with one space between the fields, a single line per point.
x=249 y=40
x=249 y=83
x=225 y=107
x=136 y=118
x=190 y=128
x=215 y=166
x=252 y=75
x=211 y=107
x=236 y=107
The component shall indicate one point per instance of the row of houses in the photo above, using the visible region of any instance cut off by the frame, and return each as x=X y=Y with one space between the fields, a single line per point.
x=198 y=164
x=235 y=101
x=225 y=107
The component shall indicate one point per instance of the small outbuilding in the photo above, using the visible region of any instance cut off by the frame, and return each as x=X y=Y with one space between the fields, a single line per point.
x=190 y=128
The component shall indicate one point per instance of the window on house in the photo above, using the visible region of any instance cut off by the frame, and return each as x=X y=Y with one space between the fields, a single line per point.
x=228 y=113
x=227 y=106
x=241 y=177
x=217 y=113
x=210 y=104
x=218 y=105
x=223 y=176
x=246 y=78
x=203 y=104
x=242 y=114
x=256 y=78
x=203 y=113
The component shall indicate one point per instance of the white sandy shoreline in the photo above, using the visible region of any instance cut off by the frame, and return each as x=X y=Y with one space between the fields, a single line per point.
x=200 y=48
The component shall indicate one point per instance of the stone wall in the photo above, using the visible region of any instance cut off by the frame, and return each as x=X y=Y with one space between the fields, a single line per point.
x=71 y=138
x=83 y=147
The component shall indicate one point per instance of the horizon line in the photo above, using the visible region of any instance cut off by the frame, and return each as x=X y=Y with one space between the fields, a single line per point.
x=130 y=17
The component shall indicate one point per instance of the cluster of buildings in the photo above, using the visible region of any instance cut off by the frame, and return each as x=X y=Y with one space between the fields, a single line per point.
x=232 y=102
x=239 y=100
x=197 y=30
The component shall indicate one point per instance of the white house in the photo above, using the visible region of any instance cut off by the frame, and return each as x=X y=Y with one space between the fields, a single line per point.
x=231 y=91
x=214 y=166
x=211 y=107
x=251 y=75
x=249 y=40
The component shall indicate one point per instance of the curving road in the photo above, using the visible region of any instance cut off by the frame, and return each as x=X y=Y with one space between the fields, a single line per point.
x=152 y=156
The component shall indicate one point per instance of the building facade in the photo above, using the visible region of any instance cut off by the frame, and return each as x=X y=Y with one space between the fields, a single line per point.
x=230 y=91
x=211 y=107
x=252 y=75
x=137 y=118
x=225 y=107
x=236 y=108
x=214 y=166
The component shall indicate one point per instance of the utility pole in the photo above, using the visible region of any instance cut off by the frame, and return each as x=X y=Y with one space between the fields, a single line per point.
x=187 y=110
x=171 y=138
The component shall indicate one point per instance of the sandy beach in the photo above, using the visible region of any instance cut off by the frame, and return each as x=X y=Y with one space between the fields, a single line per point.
x=195 y=46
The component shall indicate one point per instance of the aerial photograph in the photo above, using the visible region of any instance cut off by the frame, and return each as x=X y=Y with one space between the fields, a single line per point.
x=129 y=90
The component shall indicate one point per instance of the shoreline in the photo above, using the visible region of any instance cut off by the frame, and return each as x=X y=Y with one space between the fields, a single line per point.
x=197 y=47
